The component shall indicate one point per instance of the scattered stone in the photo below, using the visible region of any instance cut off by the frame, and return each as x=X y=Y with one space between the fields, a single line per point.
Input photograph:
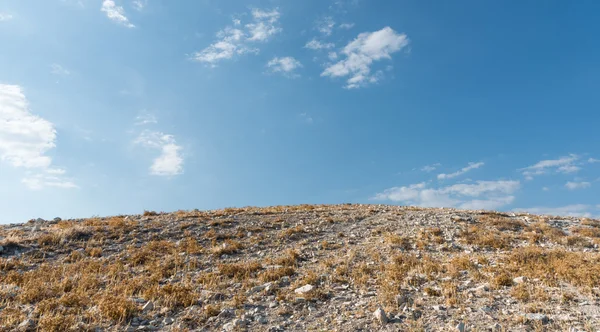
x=520 y=280
x=168 y=321
x=439 y=308
x=496 y=328
x=486 y=309
x=304 y=289
x=262 y=320
x=460 y=327
x=1 y=249
x=380 y=316
x=538 y=317
x=149 y=306
x=227 y=312
x=27 y=324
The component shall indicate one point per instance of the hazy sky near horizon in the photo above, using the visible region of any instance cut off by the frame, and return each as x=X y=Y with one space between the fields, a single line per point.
x=118 y=106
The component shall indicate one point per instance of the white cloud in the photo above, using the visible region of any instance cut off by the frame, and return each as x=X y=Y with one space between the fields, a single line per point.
x=5 y=17
x=479 y=195
x=144 y=119
x=170 y=161
x=41 y=181
x=317 y=45
x=593 y=160
x=26 y=138
x=285 y=65
x=347 y=26
x=325 y=25
x=564 y=165
x=115 y=13
x=57 y=69
x=235 y=41
x=577 y=185
x=264 y=25
x=430 y=168
x=574 y=210
x=332 y=56
x=546 y=189
x=360 y=54
x=139 y=4
x=460 y=172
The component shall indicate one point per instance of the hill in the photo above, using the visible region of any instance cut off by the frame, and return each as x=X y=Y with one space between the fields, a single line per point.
x=296 y=268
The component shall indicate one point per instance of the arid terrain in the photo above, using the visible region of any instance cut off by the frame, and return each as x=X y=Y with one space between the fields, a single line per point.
x=302 y=268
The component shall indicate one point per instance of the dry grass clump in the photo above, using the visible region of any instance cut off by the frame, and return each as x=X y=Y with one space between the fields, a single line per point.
x=485 y=238
x=577 y=268
x=398 y=241
x=274 y=274
x=502 y=223
x=190 y=246
x=292 y=232
x=542 y=232
x=239 y=271
x=116 y=308
x=429 y=236
x=227 y=248
x=502 y=279
x=586 y=231
x=289 y=258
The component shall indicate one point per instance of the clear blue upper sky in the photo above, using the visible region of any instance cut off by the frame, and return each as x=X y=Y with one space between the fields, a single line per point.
x=111 y=107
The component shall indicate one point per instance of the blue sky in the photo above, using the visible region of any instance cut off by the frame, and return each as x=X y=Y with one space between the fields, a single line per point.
x=111 y=107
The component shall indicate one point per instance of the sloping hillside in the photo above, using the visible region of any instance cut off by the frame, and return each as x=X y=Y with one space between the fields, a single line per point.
x=297 y=268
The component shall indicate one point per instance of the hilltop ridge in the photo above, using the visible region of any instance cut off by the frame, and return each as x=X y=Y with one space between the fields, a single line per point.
x=349 y=267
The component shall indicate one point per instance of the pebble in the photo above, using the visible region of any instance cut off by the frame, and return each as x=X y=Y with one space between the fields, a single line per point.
x=538 y=317
x=149 y=306
x=304 y=289
x=168 y=321
x=460 y=327
x=520 y=280
x=380 y=316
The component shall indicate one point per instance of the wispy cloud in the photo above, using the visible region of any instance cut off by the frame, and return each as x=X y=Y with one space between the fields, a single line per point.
x=593 y=160
x=115 y=13
x=139 y=5
x=57 y=69
x=564 y=165
x=346 y=26
x=430 y=168
x=317 y=45
x=464 y=170
x=306 y=118
x=286 y=66
x=235 y=40
x=574 y=210
x=577 y=185
x=360 y=54
x=325 y=25
x=479 y=195
x=145 y=118
x=26 y=138
x=264 y=25
x=5 y=17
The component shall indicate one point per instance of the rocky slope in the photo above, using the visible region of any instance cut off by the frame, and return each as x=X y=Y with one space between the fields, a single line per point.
x=302 y=268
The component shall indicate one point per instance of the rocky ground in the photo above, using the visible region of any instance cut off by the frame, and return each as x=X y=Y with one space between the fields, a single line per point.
x=302 y=268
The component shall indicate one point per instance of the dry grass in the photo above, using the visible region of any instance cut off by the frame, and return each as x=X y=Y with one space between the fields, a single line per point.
x=79 y=275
